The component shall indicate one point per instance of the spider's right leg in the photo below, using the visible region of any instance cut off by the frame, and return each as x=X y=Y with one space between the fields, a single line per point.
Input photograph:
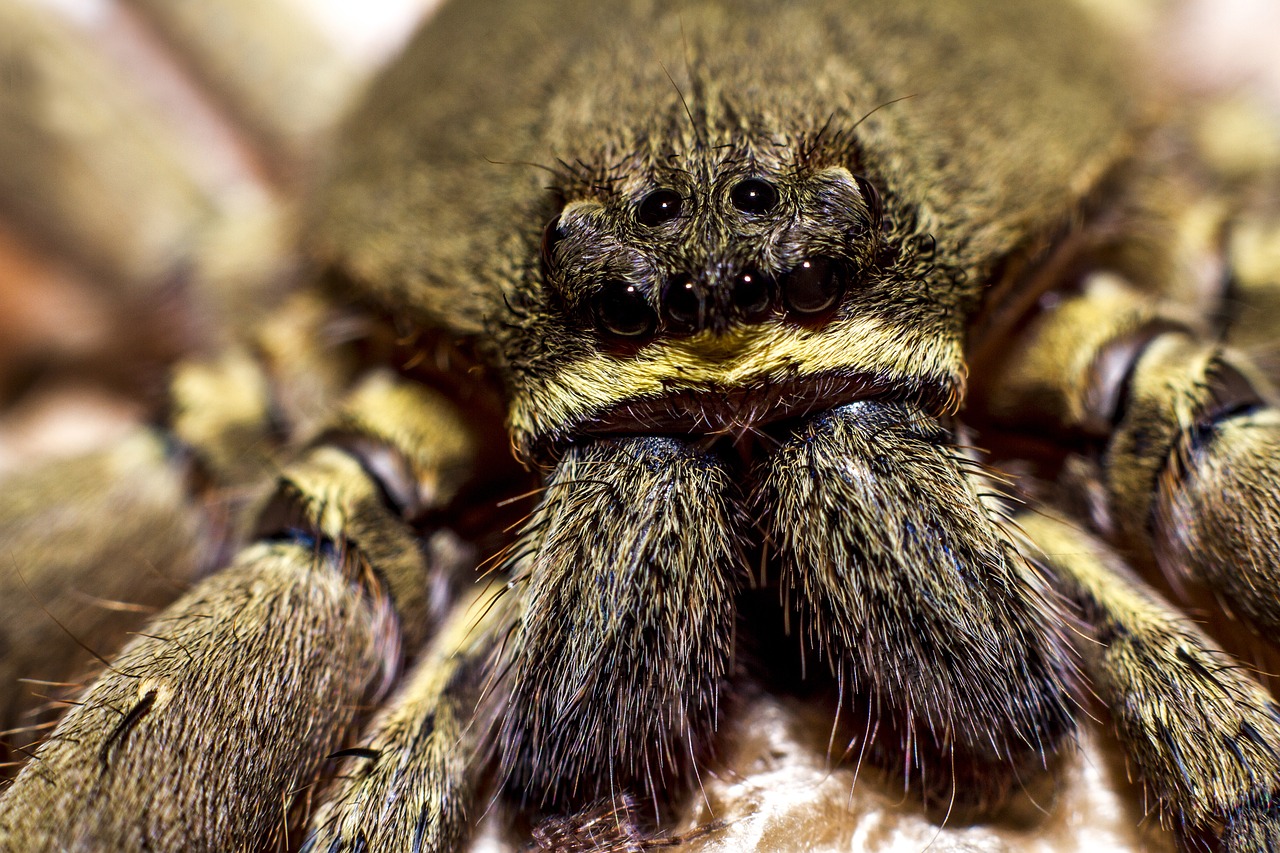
x=203 y=730
x=606 y=663
x=1179 y=437
x=1175 y=458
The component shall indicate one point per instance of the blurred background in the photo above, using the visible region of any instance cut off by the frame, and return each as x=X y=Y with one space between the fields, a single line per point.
x=150 y=156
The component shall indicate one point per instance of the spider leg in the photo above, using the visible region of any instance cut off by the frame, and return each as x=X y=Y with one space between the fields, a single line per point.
x=162 y=249
x=89 y=544
x=626 y=575
x=1253 y=291
x=1181 y=431
x=413 y=781
x=174 y=732
x=94 y=541
x=202 y=731
x=616 y=609
x=910 y=586
x=1203 y=734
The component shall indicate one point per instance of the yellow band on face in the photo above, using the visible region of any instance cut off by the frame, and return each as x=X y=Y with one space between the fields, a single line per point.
x=739 y=359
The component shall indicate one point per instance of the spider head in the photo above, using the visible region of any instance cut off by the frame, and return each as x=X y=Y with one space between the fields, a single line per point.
x=678 y=254
x=717 y=284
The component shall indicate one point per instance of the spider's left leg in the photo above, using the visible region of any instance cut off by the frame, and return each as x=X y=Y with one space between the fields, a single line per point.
x=206 y=727
x=615 y=635
x=907 y=581
x=1180 y=438
x=86 y=545
x=1203 y=734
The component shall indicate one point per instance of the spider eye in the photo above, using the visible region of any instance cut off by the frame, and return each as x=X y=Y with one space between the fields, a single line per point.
x=753 y=294
x=814 y=286
x=683 y=305
x=621 y=310
x=658 y=207
x=551 y=237
x=754 y=196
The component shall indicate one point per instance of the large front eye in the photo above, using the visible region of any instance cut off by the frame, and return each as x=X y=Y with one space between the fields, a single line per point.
x=754 y=196
x=658 y=207
x=814 y=286
x=622 y=310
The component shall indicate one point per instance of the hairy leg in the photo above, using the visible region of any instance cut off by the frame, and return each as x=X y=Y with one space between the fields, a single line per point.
x=627 y=574
x=907 y=582
x=1202 y=733
x=201 y=734
x=413 y=781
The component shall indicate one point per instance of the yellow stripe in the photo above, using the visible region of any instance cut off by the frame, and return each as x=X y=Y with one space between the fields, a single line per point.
x=738 y=359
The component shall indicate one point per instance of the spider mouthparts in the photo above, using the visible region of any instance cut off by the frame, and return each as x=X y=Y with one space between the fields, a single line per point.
x=748 y=414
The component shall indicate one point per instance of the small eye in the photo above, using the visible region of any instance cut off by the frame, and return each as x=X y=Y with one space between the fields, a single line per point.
x=658 y=207
x=754 y=196
x=622 y=310
x=871 y=196
x=551 y=237
x=814 y=286
x=684 y=306
x=752 y=294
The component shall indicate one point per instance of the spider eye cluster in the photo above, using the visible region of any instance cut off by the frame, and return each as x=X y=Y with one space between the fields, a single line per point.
x=686 y=307
x=677 y=263
x=810 y=290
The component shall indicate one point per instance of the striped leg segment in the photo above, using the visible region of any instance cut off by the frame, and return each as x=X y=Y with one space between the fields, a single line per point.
x=1180 y=432
x=200 y=735
x=1203 y=735
x=413 y=781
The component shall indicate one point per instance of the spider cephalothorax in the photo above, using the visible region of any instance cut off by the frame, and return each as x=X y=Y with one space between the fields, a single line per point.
x=747 y=282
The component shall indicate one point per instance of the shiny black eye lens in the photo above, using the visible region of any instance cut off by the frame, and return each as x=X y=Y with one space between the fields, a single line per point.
x=551 y=237
x=683 y=304
x=815 y=286
x=871 y=196
x=754 y=196
x=658 y=207
x=622 y=310
x=752 y=294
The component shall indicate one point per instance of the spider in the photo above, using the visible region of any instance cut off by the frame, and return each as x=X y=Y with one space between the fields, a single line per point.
x=873 y=361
